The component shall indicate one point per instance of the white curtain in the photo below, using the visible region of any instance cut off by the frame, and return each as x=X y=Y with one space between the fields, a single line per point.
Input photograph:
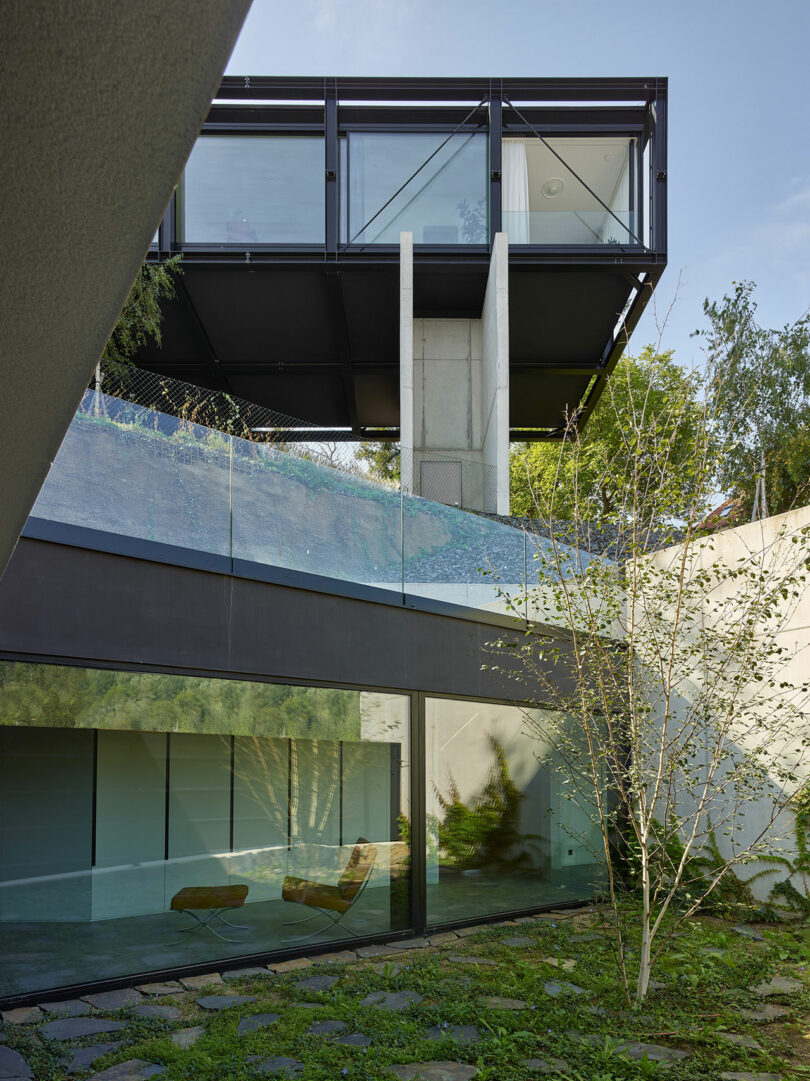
x=515 y=191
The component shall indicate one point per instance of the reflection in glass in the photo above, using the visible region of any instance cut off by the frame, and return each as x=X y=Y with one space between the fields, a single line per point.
x=545 y=203
x=123 y=795
x=444 y=191
x=501 y=834
x=247 y=189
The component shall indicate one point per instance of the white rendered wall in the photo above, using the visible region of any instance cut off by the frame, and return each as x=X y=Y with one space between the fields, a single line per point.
x=773 y=537
x=454 y=391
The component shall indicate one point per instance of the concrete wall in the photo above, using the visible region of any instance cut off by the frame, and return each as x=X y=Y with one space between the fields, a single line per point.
x=769 y=544
x=454 y=395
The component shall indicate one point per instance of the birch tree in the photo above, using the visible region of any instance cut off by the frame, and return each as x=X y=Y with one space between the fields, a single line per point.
x=671 y=709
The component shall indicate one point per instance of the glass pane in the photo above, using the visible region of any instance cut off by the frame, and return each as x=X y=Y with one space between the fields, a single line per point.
x=104 y=476
x=545 y=203
x=243 y=189
x=501 y=834
x=454 y=556
x=292 y=512
x=121 y=794
x=445 y=202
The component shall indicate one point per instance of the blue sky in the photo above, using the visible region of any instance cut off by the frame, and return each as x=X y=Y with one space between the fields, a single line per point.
x=739 y=147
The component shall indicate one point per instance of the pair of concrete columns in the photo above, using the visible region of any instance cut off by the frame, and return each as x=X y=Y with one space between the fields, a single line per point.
x=454 y=394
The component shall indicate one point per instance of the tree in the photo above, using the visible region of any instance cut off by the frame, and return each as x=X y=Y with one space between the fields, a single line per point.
x=382 y=459
x=652 y=385
x=759 y=385
x=140 y=319
x=668 y=704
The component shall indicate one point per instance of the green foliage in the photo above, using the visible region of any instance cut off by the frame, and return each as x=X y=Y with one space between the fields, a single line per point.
x=141 y=316
x=590 y=477
x=59 y=696
x=485 y=832
x=759 y=392
x=382 y=459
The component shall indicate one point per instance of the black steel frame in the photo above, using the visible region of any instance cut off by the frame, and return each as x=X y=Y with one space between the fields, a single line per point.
x=332 y=107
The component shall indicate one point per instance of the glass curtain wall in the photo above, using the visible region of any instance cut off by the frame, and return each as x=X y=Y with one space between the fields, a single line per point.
x=253 y=189
x=544 y=202
x=395 y=181
x=502 y=833
x=132 y=805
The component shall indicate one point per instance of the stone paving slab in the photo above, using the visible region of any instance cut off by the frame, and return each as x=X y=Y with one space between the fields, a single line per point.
x=518 y=941
x=542 y=1065
x=256 y=1022
x=779 y=985
x=355 y=1039
x=396 y=1001
x=496 y=1002
x=374 y=951
x=23 y=1015
x=114 y=1000
x=167 y=987
x=79 y=1059
x=465 y=932
x=344 y=957
x=433 y=1071
x=738 y=1041
x=152 y=1010
x=214 y=1003
x=278 y=1064
x=555 y=988
x=73 y=1028
x=327 y=1028
x=197 y=983
x=654 y=1052
x=443 y=939
x=410 y=944
x=134 y=1069
x=585 y=938
x=291 y=966
x=766 y=1014
x=745 y=1076
x=187 y=1037
x=317 y=983
x=69 y=1007
x=243 y=973
x=13 y=1065
x=460 y=1033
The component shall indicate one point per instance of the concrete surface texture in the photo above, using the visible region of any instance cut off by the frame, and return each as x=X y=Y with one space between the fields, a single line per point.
x=103 y=103
x=454 y=395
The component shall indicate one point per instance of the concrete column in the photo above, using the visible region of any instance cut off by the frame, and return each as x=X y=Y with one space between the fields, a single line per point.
x=495 y=399
x=454 y=395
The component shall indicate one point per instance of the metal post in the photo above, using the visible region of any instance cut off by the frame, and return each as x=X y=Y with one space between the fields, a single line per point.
x=418 y=822
x=659 y=169
x=332 y=156
x=495 y=158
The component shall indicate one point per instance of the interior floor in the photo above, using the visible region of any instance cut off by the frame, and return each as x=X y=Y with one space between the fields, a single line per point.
x=49 y=956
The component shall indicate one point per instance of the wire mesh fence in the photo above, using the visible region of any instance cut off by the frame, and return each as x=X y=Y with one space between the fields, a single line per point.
x=454 y=480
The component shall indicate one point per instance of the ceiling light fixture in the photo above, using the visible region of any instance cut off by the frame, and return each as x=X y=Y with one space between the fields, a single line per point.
x=553 y=187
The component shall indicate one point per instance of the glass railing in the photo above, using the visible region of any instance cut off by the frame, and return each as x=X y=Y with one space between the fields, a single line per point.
x=134 y=472
x=569 y=227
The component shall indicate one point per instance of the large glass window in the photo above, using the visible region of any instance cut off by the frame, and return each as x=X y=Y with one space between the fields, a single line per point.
x=127 y=799
x=502 y=834
x=401 y=181
x=253 y=189
x=547 y=200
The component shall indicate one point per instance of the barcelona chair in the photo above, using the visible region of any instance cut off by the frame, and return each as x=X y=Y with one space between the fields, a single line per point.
x=333 y=901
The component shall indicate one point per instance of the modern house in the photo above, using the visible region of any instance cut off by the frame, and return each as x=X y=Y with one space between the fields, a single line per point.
x=242 y=688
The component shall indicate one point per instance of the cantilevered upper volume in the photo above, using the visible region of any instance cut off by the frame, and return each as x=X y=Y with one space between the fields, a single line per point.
x=289 y=217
